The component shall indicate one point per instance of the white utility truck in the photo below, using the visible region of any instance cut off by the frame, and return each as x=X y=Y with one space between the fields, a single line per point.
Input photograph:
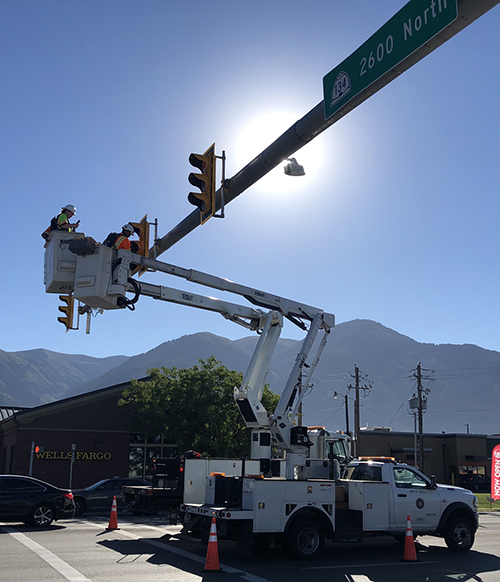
x=310 y=502
x=374 y=498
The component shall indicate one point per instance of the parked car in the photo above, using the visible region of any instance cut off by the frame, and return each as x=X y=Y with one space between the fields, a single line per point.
x=33 y=501
x=475 y=482
x=99 y=496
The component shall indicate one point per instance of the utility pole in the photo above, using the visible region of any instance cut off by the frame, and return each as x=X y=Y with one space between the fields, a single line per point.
x=421 y=408
x=366 y=389
x=356 y=411
x=346 y=404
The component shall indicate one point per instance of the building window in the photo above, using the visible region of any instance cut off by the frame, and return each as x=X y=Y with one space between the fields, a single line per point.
x=143 y=450
x=472 y=469
x=136 y=462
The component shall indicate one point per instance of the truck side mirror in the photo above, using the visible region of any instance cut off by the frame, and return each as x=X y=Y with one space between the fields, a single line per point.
x=433 y=482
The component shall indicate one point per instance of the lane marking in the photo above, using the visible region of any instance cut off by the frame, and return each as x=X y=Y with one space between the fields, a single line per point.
x=385 y=564
x=52 y=560
x=186 y=554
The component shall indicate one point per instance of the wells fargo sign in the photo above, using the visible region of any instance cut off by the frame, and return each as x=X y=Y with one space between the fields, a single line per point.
x=79 y=456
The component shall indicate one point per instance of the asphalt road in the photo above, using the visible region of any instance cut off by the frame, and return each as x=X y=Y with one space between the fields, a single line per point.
x=147 y=550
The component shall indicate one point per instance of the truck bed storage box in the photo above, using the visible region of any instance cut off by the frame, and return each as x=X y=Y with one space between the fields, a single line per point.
x=226 y=491
x=197 y=472
x=372 y=498
x=273 y=501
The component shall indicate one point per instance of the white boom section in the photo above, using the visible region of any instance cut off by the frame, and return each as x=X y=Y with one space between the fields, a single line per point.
x=291 y=438
x=292 y=310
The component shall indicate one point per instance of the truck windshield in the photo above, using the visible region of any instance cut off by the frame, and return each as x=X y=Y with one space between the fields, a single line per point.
x=338 y=450
x=406 y=478
x=364 y=472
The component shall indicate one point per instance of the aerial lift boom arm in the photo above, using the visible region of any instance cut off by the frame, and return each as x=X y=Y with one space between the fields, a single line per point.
x=101 y=278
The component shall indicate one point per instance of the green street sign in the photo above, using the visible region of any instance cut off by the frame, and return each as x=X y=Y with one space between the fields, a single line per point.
x=414 y=25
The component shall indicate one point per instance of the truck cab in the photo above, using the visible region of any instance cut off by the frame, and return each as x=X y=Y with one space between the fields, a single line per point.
x=388 y=492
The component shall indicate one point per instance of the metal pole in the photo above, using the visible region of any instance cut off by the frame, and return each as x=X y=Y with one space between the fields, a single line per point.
x=415 y=451
x=420 y=418
x=346 y=415
x=356 y=412
x=73 y=449
x=31 y=457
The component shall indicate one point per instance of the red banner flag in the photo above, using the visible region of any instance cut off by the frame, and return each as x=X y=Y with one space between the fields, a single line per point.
x=495 y=473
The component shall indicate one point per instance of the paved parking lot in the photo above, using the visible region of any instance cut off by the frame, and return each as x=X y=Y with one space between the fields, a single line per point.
x=82 y=550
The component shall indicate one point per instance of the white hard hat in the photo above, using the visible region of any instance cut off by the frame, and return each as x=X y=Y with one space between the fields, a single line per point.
x=129 y=228
x=70 y=207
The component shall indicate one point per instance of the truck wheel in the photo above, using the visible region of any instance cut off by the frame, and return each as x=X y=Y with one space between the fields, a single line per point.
x=459 y=534
x=306 y=539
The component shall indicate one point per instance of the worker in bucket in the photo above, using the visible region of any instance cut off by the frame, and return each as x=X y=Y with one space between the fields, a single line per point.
x=62 y=221
x=121 y=241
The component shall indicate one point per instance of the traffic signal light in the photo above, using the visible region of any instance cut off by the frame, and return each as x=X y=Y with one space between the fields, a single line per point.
x=142 y=229
x=205 y=182
x=67 y=309
x=39 y=449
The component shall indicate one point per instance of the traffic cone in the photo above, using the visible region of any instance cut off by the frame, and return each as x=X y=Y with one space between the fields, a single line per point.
x=212 y=559
x=410 y=553
x=113 y=518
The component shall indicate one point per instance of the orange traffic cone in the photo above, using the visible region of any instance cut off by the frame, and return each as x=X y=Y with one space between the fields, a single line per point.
x=113 y=518
x=212 y=560
x=410 y=554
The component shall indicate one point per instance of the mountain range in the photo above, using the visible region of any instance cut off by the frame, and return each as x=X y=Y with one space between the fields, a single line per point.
x=462 y=381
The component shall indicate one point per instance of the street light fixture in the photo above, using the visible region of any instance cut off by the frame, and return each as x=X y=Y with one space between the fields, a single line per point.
x=294 y=168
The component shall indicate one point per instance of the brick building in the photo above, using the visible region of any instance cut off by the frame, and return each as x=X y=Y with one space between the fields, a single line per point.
x=39 y=441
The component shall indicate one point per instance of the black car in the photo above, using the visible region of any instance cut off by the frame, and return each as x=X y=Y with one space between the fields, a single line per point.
x=99 y=496
x=475 y=482
x=33 y=501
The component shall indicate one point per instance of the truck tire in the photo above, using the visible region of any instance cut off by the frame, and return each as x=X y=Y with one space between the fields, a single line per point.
x=459 y=534
x=306 y=539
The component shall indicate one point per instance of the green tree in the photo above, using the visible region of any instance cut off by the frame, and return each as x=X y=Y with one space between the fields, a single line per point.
x=194 y=408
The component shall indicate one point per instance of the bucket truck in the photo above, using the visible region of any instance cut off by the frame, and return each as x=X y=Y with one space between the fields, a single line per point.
x=306 y=505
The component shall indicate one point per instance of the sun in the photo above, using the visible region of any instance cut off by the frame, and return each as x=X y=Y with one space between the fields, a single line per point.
x=261 y=132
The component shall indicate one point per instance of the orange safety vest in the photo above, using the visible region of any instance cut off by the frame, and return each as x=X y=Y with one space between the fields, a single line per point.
x=122 y=242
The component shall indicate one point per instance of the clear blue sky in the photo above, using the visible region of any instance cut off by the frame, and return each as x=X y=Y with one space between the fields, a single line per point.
x=396 y=220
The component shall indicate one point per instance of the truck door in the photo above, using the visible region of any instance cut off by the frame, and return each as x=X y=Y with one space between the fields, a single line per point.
x=414 y=497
